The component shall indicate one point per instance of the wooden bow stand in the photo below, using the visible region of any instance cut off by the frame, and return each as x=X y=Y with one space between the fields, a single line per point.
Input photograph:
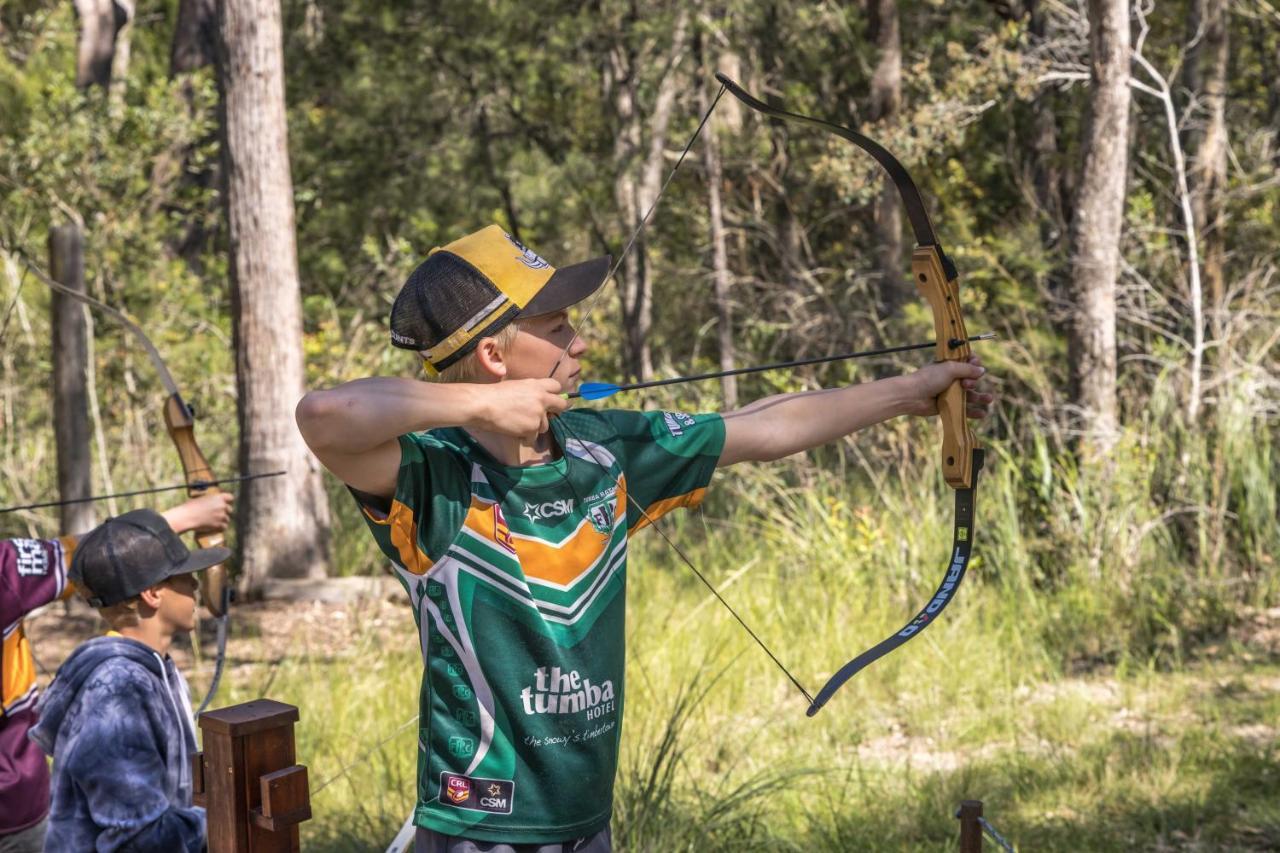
x=247 y=780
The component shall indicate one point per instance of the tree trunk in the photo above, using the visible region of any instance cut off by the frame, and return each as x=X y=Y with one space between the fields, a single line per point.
x=633 y=275
x=1051 y=195
x=96 y=48
x=120 y=64
x=637 y=198
x=1207 y=143
x=195 y=45
x=886 y=101
x=70 y=380
x=1273 y=90
x=788 y=234
x=721 y=277
x=194 y=37
x=1189 y=80
x=499 y=179
x=1099 y=220
x=283 y=522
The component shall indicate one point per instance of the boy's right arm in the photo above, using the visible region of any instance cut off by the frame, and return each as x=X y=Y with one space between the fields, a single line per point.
x=354 y=429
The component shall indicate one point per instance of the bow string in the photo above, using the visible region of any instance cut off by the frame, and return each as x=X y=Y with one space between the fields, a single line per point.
x=962 y=458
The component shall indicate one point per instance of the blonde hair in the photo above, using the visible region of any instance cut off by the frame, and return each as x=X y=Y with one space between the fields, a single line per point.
x=122 y=614
x=468 y=368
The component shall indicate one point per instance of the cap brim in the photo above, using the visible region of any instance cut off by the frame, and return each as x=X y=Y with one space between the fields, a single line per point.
x=201 y=559
x=568 y=286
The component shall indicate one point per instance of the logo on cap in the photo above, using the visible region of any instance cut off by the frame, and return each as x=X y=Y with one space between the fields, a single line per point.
x=529 y=258
x=402 y=339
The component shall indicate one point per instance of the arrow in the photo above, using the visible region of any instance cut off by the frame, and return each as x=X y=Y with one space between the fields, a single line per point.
x=198 y=484
x=602 y=390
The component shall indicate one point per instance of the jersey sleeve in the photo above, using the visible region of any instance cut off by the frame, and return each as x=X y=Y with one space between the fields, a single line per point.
x=433 y=494
x=668 y=459
x=33 y=572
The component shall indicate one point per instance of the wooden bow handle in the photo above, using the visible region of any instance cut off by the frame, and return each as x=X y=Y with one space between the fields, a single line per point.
x=180 y=422
x=958 y=441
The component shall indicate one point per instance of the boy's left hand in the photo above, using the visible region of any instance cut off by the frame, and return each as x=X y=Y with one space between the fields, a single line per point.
x=930 y=381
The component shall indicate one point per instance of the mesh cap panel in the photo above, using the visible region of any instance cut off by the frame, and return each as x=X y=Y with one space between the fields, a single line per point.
x=446 y=298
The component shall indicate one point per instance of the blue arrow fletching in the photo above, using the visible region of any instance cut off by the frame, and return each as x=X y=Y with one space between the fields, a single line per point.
x=597 y=390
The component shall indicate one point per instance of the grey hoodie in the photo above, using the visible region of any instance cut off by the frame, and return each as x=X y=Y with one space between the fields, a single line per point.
x=117 y=721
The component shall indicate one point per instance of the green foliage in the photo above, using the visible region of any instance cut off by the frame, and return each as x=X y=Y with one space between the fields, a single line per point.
x=411 y=124
x=119 y=166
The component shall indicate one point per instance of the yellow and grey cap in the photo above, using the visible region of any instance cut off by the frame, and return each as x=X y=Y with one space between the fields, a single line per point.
x=476 y=285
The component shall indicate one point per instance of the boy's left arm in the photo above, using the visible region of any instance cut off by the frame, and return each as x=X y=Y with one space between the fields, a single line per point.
x=779 y=426
x=210 y=511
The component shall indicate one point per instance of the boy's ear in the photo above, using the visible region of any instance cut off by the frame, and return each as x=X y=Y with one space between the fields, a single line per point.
x=151 y=596
x=491 y=358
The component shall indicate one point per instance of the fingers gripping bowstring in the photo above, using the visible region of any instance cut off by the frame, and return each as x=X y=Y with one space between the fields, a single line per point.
x=635 y=235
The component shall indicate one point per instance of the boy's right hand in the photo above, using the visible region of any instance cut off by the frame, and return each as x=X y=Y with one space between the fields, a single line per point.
x=522 y=407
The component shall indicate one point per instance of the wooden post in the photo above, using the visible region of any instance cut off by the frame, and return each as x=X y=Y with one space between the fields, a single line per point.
x=247 y=780
x=70 y=342
x=970 y=829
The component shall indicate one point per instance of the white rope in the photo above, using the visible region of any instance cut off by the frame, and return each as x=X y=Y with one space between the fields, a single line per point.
x=404 y=838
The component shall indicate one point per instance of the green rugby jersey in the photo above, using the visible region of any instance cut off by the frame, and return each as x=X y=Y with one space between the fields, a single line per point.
x=517 y=577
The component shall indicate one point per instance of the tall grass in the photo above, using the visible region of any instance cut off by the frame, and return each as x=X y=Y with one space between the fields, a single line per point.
x=1084 y=683
x=1089 y=682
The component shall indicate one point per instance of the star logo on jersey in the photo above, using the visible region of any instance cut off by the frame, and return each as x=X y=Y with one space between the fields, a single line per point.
x=548 y=510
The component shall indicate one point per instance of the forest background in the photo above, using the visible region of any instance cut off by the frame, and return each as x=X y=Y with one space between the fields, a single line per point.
x=1105 y=178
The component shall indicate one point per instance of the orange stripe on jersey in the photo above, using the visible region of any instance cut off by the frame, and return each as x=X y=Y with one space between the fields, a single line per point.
x=657 y=509
x=562 y=563
x=485 y=520
x=18 y=666
x=69 y=544
x=404 y=535
x=558 y=563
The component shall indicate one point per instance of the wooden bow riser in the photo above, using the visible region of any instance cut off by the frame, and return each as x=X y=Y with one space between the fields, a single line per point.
x=195 y=467
x=958 y=441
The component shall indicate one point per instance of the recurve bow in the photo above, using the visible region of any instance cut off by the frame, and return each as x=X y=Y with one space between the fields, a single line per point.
x=962 y=458
x=179 y=419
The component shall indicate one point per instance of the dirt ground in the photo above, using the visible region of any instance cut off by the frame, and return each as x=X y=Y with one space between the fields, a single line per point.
x=262 y=632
